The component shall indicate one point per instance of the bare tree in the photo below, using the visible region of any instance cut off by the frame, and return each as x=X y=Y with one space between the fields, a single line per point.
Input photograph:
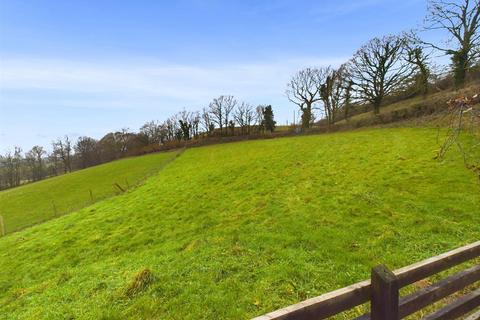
x=63 y=149
x=3 y=174
x=220 y=109
x=228 y=104
x=86 y=150
x=171 y=127
x=154 y=131
x=304 y=91
x=185 y=124
x=12 y=164
x=207 y=123
x=379 y=68
x=417 y=57
x=332 y=93
x=195 y=121
x=122 y=138
x=34 y=159
x=54 y=163
x=244 y=117
x=463 y=117
x=216 y=112
x=347 y=98
x=461 y=20
x=258 y=118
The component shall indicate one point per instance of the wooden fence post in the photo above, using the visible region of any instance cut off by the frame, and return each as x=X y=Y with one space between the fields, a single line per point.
x=385 y=296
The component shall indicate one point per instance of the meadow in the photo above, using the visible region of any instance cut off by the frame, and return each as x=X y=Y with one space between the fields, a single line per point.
x=40 y=201
x=235 y=230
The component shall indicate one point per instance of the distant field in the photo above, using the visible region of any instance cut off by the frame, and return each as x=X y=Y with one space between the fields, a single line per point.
x=236 y=230
x=40 y=201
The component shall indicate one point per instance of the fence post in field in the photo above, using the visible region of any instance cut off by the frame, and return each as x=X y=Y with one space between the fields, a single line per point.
x=91 y=195
x=384 y=294
x=2 y=226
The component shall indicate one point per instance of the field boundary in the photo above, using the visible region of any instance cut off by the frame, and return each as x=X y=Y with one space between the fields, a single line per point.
x=115 y=185
x=382 y=291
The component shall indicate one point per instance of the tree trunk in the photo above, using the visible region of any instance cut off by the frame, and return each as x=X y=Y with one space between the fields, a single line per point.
x=376 y=107
x=460 y=65
x=347 y=109
x=424 y=81
x=307 y=116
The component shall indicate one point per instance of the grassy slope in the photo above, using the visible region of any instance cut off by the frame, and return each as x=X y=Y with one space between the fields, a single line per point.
x=34 y=203
x=433 y=99
x=235 y=230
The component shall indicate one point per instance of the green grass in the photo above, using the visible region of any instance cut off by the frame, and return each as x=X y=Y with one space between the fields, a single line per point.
x=236 y=230
x=43 y=200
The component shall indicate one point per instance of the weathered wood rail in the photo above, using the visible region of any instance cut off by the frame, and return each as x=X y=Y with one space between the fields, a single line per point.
x=382 y=291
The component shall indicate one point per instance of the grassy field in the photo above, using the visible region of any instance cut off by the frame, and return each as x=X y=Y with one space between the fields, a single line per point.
x=43 y=200
x=235 y=230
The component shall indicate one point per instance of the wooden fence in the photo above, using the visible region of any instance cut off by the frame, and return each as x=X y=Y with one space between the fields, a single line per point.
x=382 y=291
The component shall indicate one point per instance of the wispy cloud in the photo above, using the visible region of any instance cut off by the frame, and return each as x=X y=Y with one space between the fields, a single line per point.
x=114 y=83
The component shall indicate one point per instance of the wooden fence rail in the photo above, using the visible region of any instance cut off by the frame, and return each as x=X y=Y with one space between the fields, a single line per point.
x=382 y=291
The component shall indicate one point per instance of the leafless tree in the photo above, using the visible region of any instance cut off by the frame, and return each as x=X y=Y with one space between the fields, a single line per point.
x=333 y=93
x=154 y=131
x=189 y=123
x=258 y=118
x=461 y=20
x=171 y=126
x=207 y=123
x=34 y=159
x=12 y=164
x=86 y=149
x=304 y=91
x=419 y=59
x=63 y=149
x=220 y=110
x=195 y=119
x=347 y=103
x=244 y=117
x=216 y=112
x=463 y=116
x=54 y=163
x=229 y=103
x=184 y=124
x=379 y=68
x=122 y=138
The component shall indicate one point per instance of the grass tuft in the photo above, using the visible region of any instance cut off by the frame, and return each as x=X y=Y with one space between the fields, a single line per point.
x=140 y=283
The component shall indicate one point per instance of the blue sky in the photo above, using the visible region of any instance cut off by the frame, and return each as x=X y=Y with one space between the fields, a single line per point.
x=91 y=67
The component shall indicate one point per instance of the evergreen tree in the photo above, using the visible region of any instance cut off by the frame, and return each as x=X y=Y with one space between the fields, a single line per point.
x=268 y=119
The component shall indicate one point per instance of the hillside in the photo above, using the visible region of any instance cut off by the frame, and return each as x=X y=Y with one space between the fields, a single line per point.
x=36 y=202
x=411 y=108
x=235 y=230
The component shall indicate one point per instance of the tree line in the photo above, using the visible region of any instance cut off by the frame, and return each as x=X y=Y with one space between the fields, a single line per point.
x=390 y=65
x=224 y=116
